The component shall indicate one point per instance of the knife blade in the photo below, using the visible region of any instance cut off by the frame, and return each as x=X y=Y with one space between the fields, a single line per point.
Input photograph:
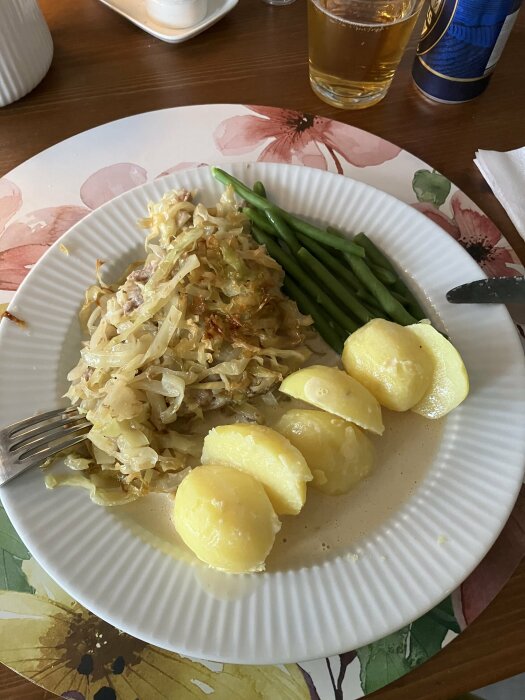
x=495 y=290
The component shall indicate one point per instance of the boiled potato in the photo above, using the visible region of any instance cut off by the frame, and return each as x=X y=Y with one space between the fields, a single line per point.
x=337 y=452
x=266 y=455
x=225 y=517
x=450 y=384
x=390 y=362
x=335 y=391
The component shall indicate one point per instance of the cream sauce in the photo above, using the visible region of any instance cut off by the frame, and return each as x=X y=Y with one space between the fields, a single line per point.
x=330 y=525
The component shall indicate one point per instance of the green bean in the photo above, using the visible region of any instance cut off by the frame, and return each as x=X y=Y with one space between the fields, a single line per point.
x=410 y=301
x=242 y=189
x=272 y=224
x=332 y=336
x=260 y=220
x=325 y=257
x=260 y=236
x=373 y=253
x=283 y=230
x=259 y=189
x=367 y=298
x=386 y=301
x=332 y=263
x=386 y=276
x=371 y=304
x=324 y=237
x=344 y=273
x=290 y=266
x=400 y=297
x=334 y=286
x=338 y=268
x=303 y=226
x=390 y=301
x=378 y=257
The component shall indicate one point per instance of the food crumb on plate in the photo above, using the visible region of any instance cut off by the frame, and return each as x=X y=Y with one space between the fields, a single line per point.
x=11 y=317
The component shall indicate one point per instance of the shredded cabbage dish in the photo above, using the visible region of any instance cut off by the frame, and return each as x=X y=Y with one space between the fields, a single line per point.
x=201 y=324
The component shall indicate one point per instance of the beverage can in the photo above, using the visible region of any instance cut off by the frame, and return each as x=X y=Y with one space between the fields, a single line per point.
x=460 y=45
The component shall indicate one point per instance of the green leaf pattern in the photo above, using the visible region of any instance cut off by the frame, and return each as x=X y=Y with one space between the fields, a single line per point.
x=13 y=554
x=430 y=186
x=390 y=658
x=383 y=661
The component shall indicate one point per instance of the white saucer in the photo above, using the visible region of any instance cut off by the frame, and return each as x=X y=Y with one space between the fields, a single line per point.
x=135 y=11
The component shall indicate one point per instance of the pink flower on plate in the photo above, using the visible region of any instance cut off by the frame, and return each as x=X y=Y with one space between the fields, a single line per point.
x=483 y=240
x=41 y=227
x=186 y=165
x=296 y=137
x=23 y=241
x=477 y=234
x=10 y=201
x=489 y=577
x=109 y=182
x=15 y=264
x=438 y=217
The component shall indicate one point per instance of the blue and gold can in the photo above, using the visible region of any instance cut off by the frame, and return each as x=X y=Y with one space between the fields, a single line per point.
x=460 y=45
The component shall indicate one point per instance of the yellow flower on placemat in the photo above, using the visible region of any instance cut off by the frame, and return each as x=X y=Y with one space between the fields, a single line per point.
x=51 y=639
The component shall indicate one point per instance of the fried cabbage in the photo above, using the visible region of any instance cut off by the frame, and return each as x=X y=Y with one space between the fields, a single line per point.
x=201 y=324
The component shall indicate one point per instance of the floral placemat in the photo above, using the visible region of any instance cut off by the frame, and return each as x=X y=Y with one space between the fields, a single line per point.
x=44 y=634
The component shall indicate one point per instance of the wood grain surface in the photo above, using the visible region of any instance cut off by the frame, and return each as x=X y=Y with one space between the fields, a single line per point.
x=105 y=68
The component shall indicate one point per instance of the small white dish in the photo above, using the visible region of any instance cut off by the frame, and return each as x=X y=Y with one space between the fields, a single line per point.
x=136 y=12
x=179 y=14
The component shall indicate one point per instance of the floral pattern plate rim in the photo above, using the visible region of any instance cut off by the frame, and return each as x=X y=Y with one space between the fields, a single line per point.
x=135 y=12
x=422 y=546
x=94 y=166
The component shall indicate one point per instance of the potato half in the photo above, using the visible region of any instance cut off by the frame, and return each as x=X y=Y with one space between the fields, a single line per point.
x=335 y=391
x=225 y=517
x=390 y=362
x=338 y=453
x=266 y=455
x=449 y=385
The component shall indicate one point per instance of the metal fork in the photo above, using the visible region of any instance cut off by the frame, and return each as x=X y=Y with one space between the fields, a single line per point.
x=30 y=442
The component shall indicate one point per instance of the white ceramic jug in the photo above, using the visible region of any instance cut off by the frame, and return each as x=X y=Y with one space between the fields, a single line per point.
x=26 y=48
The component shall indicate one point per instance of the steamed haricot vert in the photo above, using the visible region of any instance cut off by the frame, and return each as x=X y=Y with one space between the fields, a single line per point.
x=292 y=268
x=332 y=334
x=308 y=229
x=349 y=282
x=400 y=291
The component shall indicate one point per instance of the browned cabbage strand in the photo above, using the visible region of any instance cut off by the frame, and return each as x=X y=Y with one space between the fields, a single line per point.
x=200 y=324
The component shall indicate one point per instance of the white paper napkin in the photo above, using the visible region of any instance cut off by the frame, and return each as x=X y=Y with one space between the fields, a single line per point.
x=505 y=173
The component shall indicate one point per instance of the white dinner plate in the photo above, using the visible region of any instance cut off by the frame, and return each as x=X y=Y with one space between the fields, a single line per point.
x=411 y=559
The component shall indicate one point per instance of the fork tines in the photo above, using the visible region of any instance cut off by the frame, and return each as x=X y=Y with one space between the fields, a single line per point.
x=28 y=439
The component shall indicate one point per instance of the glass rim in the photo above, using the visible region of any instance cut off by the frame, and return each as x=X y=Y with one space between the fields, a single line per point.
x=417 y=5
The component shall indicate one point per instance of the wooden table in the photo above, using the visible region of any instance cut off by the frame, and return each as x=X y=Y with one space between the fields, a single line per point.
x=104 y=68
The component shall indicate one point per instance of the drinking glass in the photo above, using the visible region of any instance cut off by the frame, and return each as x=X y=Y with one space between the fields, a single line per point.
x=278 y=2
x=355 y=47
